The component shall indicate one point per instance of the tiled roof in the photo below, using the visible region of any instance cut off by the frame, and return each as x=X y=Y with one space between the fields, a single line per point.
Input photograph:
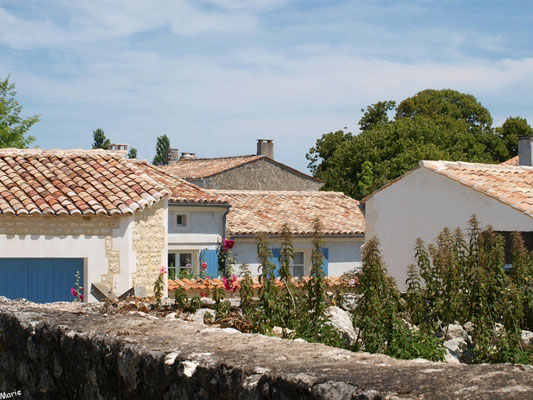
x=512 y=185
x=210 y=284
x=181 y=190
x=266 y=211
x=205 y=167
x=511 y=161
x=68 y=182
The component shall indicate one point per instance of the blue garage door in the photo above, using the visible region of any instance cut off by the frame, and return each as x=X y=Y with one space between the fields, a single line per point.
x=40 y=280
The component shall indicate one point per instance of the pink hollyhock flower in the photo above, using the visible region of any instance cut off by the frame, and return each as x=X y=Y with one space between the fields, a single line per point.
x=228 y=244
x=227 y=284
x=73 y=292
x=204 y=265
x=163 y=270
x=188 y=266
x=234 y=278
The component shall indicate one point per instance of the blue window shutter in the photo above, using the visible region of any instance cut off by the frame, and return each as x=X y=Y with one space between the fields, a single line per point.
x=211 y=258
x=325 y=252
x=275 y=260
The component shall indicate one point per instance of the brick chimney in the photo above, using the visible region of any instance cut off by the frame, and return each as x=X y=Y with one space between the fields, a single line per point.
x=265 y=147
x=173 y=155
x=525 y=150
x=118 y=147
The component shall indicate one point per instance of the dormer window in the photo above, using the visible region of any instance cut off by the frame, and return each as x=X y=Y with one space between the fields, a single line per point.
x=181 y=220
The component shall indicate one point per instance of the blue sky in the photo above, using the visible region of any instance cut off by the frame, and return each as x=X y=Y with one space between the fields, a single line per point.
x=215 y=75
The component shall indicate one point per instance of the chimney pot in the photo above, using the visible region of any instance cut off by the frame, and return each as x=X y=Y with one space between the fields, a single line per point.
x=265 y=147
x=525 y=150
x=188 y=156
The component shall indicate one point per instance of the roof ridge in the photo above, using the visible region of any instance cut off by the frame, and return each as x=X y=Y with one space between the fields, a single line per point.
x=444 y=163
x=295 y=192
x=11 y=152
x=218 y=158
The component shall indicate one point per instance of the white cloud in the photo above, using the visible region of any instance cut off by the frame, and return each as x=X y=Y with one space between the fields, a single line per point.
x=98 y=20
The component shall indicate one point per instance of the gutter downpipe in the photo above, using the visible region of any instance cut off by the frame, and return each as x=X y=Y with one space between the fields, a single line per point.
x=224 y=219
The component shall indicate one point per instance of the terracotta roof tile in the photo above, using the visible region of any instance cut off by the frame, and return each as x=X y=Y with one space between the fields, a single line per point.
x=210 y=284
x=255 y=211
x=181 y=190
x=204 y=167
x=512 y=185
x=511 y=161
x=34 y=181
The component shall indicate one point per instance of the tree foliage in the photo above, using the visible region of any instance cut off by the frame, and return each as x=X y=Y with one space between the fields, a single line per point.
x=161 y=150
x=511 y=129
x=132 y=153
x=99 y=139
x=432 y=125
x=13 y=127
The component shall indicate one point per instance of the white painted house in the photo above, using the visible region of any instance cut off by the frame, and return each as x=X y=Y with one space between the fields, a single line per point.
x=254 y=211
x=196 y=223
x=86 y=211
x=440 y=194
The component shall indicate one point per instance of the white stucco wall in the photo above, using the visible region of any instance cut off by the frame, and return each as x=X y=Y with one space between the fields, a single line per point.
x=205 y=227
x=105 y=244
x=344 y=254
x=421 y=205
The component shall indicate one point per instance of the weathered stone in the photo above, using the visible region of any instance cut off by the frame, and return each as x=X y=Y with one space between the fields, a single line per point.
x=349 y=301
x=342 y=321
x=278 y=331
x=121 y=356
x=455 y=331
x=199 y=315
x=526 y=340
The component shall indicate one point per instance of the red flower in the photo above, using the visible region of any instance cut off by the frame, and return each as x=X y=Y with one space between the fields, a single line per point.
x=204 y=265
x=202 y=294
x=228 y=244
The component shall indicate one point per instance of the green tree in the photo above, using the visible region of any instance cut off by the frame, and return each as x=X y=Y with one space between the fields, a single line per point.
x=161 y=150
x=376 y=114
x=432 y=125
x=511 y=129
x=13 y=127
x=99 y=140
x=132 y=153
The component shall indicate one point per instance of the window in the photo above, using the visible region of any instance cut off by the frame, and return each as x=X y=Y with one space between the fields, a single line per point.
x=181 y=220
x=297 y=266
x=180 y=265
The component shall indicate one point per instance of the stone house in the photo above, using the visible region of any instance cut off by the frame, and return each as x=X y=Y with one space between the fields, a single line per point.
x=249 y=172
x=440 y=194
x=195 y=221
x=252 y=212
x=90 y=212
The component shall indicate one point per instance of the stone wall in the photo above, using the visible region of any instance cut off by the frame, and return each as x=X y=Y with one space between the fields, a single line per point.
x=58 y=225
x=150 y=245
x=65 y=351
x=262 y=174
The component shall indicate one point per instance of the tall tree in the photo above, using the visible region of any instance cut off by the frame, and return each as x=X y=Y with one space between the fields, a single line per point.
x=376 y=114
x=432 y=125
x=132 y=153
x=99 y=140
x=511 y=129
x=13 y=127
x=161 y=150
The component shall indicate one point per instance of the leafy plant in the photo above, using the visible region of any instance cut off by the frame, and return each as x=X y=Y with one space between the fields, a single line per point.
x=159 y=286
